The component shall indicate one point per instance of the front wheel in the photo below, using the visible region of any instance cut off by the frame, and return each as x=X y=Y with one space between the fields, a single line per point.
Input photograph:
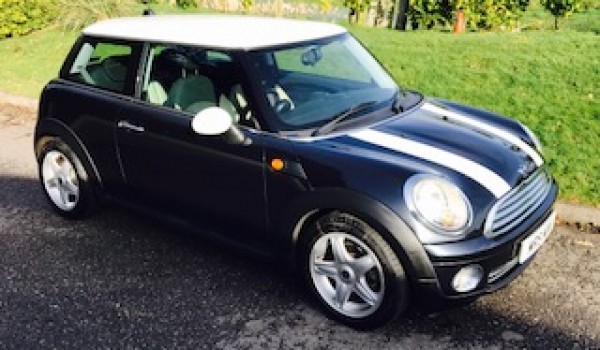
x=353 y=272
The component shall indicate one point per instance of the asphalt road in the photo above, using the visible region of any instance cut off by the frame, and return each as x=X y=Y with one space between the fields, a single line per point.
x=120 y=280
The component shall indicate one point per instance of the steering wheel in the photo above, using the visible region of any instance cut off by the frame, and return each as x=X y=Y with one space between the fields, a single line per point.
x=283 y=106
x=279 y=99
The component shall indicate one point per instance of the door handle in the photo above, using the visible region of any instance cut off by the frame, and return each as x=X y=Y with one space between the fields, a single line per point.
x=124 y=124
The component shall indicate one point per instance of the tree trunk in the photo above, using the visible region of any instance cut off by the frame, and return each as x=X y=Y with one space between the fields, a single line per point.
x=555 y=22
x=399 y=18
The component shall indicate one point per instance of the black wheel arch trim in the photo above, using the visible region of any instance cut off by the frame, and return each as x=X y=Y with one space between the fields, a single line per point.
x=393 y=229
x=52 y=127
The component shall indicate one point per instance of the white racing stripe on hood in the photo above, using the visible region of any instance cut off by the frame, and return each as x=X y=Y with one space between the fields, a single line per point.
x=487 y=178
x=503 y=134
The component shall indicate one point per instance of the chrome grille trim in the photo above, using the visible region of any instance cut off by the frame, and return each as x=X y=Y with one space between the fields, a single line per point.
x=518 y=204
x=502 y=270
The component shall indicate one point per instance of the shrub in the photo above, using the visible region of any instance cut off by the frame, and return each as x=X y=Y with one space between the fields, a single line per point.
x=184 y=4
x=247 y=5
x=560 y=8
x=356 y=7
x=20 y=17
x=76 y=14
x=428 y=13
x=479 y=14
x=490 y=14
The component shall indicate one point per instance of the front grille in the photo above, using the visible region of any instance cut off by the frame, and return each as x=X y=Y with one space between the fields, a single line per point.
x=518 y=204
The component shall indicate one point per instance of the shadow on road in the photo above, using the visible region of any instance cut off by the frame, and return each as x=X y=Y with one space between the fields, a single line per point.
x=122 y=280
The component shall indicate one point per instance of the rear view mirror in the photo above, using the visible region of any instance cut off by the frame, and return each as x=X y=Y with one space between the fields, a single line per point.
x=311 y=55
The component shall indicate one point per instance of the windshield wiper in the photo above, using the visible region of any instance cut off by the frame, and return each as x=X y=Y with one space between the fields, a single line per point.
x=330 y=125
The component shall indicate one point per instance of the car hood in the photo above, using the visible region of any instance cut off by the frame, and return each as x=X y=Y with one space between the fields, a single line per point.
x=477 y=145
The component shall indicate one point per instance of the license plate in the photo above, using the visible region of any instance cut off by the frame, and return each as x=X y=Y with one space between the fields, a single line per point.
x=532 y=244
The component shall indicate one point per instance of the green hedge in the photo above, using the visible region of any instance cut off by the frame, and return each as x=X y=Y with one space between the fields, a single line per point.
x=19 y=17
x=479 y=14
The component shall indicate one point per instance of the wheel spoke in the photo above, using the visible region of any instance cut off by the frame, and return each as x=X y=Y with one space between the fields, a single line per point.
x=363 y=264
x=342 y=293
x=56 y=168
x=362 y=289
x=70 y=187
x=66 y=169
x=52 y=183
x=340 y=254
x=326 y=268
x=64 y=195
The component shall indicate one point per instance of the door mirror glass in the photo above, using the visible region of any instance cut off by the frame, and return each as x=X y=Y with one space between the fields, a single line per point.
x=212 y=121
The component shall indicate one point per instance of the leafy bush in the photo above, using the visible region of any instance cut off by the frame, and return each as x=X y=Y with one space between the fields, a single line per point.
x=19 y=17
x=429 y=13
x=490 y=14
x=356 y=7
x=560 y=8
x=247 y=5
x=479 y=14
x=184 y=4
x=76 y=14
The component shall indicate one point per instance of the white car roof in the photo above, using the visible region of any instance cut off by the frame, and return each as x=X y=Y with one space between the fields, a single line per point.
x=219 y=31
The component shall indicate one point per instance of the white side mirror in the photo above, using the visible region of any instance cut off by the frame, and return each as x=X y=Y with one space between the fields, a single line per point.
x=212 y=121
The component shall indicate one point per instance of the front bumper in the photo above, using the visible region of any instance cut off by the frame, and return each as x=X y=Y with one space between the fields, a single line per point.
x=499 y=258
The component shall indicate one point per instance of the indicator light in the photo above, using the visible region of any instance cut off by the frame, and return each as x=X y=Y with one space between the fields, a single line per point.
x=277 y=164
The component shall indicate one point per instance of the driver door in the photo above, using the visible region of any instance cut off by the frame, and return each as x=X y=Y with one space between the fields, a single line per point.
x=202 y=180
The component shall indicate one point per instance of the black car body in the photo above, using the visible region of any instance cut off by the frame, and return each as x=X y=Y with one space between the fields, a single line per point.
x=265 y=185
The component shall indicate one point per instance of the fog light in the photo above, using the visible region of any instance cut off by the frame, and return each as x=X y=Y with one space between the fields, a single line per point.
x=467 y=278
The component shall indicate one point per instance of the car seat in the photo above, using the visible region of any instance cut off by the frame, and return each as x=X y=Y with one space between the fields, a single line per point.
x=191 y=93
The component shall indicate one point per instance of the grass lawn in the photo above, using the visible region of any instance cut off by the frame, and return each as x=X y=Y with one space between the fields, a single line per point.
x=29 y=62
x=549 y=80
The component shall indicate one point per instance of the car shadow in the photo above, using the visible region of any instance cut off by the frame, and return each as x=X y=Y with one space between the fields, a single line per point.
x=120 y=279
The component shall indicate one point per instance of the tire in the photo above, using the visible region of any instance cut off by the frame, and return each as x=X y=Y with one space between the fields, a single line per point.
x=343 y=258
x=65 y=182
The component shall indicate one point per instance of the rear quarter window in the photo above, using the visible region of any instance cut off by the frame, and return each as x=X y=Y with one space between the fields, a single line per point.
x=104 y=64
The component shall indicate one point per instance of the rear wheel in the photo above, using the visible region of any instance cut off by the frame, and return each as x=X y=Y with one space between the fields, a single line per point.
x=353 y=272
x=65 y=181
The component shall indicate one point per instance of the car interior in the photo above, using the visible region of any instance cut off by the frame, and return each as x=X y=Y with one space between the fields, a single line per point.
x=192 y=79
x=103 y=65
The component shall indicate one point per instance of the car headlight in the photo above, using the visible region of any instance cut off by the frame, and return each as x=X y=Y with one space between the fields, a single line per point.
x=533 y=137
x=438 y=204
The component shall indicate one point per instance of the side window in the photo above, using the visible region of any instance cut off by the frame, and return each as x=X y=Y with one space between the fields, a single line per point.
x=102 y=64
x=191 y=79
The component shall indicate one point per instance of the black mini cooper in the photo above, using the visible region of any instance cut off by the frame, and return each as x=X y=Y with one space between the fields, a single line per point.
x=287 y=138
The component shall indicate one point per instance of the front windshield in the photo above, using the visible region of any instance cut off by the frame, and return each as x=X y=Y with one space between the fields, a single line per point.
x=310 y=84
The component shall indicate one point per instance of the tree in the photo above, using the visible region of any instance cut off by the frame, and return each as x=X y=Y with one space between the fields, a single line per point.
x=247 y=5
x=400 y=15
x=356 y=7
x=560 y=8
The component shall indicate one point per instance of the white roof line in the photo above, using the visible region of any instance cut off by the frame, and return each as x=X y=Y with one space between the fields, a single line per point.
x=219 y=31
